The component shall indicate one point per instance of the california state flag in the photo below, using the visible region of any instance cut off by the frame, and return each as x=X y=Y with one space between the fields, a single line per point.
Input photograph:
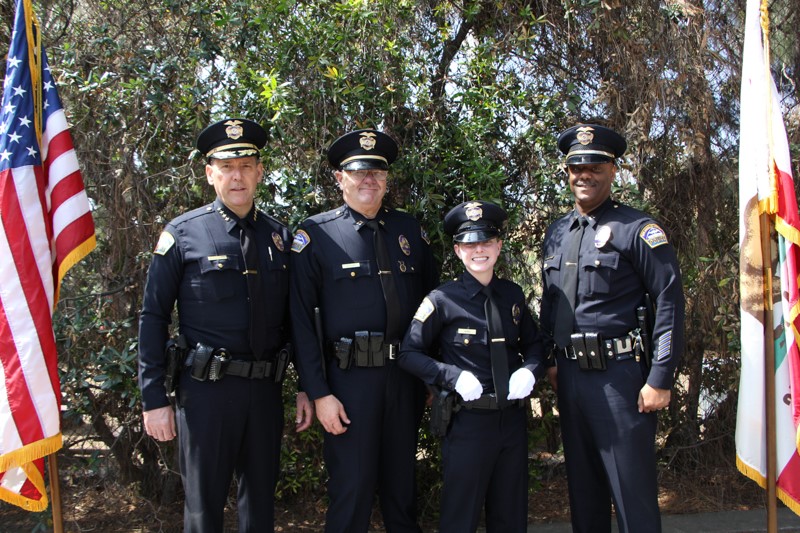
x=766 y=186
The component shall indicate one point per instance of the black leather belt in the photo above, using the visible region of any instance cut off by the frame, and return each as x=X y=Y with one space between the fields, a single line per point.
x=489 y=402
x=619 y=348
x=250 y=369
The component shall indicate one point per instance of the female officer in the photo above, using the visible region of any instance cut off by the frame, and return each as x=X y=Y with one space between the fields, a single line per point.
x=476 y=336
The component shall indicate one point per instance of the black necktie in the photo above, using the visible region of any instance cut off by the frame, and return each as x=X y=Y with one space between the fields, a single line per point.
x=258 y=330
x=497 y=348
x=565 y=312
x=395 y=329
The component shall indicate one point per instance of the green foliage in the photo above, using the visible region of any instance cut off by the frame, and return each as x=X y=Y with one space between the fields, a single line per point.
x=475 y=92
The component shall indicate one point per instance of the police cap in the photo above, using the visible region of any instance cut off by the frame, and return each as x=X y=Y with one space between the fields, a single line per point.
x=475 y=221
x=362 y=150
x=230 y=138
x=586 y=144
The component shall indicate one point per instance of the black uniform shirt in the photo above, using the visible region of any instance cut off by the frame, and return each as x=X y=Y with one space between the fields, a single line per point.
x=198 y=263
x=334 y=268
x=452 y=321
x=624 y=254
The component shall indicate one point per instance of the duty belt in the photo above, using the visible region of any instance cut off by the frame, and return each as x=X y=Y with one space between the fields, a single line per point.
x=489 y=402
x=367 y=349
x=619 y=348
x=209 y=364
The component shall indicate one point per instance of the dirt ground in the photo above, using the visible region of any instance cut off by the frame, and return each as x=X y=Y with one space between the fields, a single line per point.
x=101 y=506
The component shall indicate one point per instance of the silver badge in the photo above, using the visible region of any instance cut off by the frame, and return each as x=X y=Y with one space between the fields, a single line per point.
x=602 y=236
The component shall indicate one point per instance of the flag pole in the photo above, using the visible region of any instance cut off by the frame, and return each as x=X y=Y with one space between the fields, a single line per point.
x=55 y=494
x=769 y=374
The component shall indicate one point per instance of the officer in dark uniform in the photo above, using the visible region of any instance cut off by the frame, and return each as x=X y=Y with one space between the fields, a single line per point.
x=229 y=407
x=600 y=262
x=366 y=268
x=451 y=345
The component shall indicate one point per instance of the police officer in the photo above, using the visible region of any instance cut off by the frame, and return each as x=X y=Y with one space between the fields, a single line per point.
x=366 y=268
x=600 y=261
x=452 y=345
x=230 y=412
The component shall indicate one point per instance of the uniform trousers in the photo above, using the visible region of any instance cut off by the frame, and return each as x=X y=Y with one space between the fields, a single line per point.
x=609 y=447
x=485 y=462
x=378 y=450
x=227 y=427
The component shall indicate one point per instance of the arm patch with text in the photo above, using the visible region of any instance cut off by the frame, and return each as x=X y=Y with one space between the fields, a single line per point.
x=653 y=235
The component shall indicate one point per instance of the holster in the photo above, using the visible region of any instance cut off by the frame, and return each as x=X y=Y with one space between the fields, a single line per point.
x=644 y=335
x=282 y=360
x=344 y=349
x=442 y=409
x=201 y=361
x=175 y=353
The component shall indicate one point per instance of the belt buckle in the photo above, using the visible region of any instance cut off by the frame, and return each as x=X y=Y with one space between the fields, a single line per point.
x=393 y=349
x=623 y=345
x=258 y=369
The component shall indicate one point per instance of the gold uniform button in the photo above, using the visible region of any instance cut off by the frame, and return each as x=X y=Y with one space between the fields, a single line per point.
x=352 y=274
x=220 y=265
x=466 y=341
x=597 y=263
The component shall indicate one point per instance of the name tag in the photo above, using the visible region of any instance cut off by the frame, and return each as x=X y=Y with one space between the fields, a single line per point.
x=465 y=331
x=351 y=265
x=217 y=257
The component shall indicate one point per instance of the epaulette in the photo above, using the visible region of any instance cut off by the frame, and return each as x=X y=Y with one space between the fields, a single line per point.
x=191 y=215
x=327 y=216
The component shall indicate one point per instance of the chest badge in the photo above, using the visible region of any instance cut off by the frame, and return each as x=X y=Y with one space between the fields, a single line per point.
x=404 y=245
x=516 y=314
x=278 y=240
x=602 y=236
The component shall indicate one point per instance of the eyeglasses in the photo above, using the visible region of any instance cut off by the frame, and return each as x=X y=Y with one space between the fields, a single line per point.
x=360 y=175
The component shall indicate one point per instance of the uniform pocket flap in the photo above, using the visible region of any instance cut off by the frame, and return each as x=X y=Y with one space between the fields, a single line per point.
x=219 y=263
x=352 y=270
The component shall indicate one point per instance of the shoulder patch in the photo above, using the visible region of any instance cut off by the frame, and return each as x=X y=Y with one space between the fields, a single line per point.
x=301 y=240
x=653 y=235
x=425 y=237
x=165 y=242
x=424 y=310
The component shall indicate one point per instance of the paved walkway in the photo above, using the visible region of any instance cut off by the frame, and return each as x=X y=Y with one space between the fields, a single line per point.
x=725 y=522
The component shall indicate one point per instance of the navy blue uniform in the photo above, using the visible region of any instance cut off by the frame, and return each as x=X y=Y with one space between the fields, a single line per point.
x=334 y=268
x=609 y=446
x=234 y=424
x=485 y=452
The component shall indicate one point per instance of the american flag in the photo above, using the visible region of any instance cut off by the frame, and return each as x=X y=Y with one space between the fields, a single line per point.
x=45 y=228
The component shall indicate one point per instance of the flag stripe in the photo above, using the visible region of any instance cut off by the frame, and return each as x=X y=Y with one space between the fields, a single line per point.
x=45 y=228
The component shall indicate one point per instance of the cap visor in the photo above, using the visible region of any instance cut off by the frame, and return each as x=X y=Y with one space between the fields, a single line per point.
x=366 y=164
x=588 y=159
x=476 y=236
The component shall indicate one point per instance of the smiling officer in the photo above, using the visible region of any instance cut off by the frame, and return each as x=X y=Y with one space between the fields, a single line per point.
x=603 y=261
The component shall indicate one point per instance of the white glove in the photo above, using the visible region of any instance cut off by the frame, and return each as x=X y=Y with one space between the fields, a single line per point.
x=520 y=384
x=468 y=386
